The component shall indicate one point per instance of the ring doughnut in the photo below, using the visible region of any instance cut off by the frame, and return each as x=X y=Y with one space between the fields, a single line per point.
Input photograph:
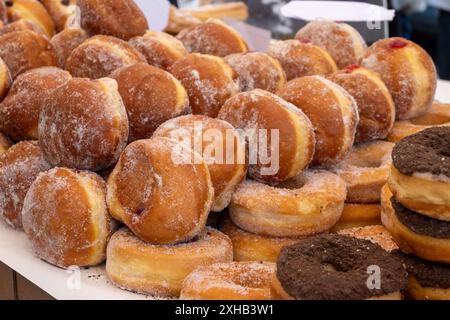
x=161 y=190
x=66 y=41
x=408 y=72
x=376 y=234
x=135 y=265
x=34 y=11
x=66 y=219
x=311 y=203
x=21 y=25
x=5 y=144
x=60 y=11
x=229 y=281
x=5 y=79
x=358 y=215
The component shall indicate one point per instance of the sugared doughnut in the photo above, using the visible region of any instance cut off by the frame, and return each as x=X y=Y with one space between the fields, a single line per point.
x=5 y=144
x=220 y=146
x=358 y=215
x=249 y=246
x=135 y=265
x=332 y=111
x=19 y=111
x=159 y=48
x=420 y=173
x=60 y=11
x=366 y=170
x=213 y=37
x=99 y=56
x=19 y=166
x=376 y=234
x=280 y=137
x=25 y=50
x=3 y=12
x=301 y=59
x=309 y=204
x=34 y=11
x=5 y=79
x=438 y=115
x=161 y=190
x=229 y=281
x=21 y=25
x=151 y=97
x=66 y=219
x=83 y=124
x=208 y=80
x=375 y=105
x=408 y=72
x=342 y=41
x=66 y=41
x=119 y=18
x=257 y=70
x=415 y=233
x=337 y=267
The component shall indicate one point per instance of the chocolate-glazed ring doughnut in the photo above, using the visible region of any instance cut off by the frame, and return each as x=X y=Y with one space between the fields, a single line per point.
x=34 y=11
x=66 y=41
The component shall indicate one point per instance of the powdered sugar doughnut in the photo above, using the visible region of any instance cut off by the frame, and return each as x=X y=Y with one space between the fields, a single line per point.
x=342 y=41
x=5 y=79
x=5 y=144
x=151 y=97
x=83 y=124
x=19 y=111
x=34 y=11
x=208 y=80
x=301 y=59
x=19 y=166
x=408 y=72
x=21 y=25
x=66 y=41
x=257 y=70
x=60 y=11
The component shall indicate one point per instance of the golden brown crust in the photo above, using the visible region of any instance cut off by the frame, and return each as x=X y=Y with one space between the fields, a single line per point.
x=60 y=11
x=66 y=41
x=5 y=79
x=21 y=25
x=357 y=215
x=32 y=10
x=5 y=143
x=376 y=234
x=416 y=291
x=3 y=12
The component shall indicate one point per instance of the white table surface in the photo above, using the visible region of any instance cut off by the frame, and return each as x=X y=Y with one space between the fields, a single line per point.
x=15 y=251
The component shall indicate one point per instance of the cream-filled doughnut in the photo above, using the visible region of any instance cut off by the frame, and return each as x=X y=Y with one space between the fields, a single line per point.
x=32 y=10
x=66 y=41
x=357 y=215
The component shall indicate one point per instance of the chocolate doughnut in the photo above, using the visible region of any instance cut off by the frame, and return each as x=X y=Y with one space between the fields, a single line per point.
x=66 y=41
x=34 y=11
x=5 y=79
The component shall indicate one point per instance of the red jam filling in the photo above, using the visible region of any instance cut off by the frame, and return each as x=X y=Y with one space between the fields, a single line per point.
x=397 y=44
x=351 y=68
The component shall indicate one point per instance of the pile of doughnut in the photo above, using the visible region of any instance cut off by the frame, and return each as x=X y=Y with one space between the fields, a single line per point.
x=100 y=119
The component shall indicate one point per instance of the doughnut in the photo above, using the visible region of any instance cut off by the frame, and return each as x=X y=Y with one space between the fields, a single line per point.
x=151 y=97
x=5 y=144
x=332 y=111
x=159 y=48
x=21 y=25
x=344 y=43
x=161 y=190
x=376 y=234
x=249 y=246
x=258 y=114
x=31 y=10
x=66 y=41
x=415 y=233
x=229 y=281
x=311 y=203
x=375 y=105
x=337 y=267
x=3 y=12
x=438 y=115
x=66 y=219
x=365 y=170
x=420 y=173
x=99 y=56
x=83 y=124
x=60 y=11
x=408 y=72
x=5 y=79
x=118 y=18
x=19 y=166
x=300 y=59
x=19 y=111
x=213 y=37
x=357 y=215
x=257 y=70
x=221 y=147
x=208 y=80
x=25 y=50
x=137 y=266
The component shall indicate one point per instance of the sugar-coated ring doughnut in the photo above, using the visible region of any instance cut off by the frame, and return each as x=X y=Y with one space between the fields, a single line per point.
x=213 y=37
x=83 y=124
x=5 y=79
x=60 y=11
x=332 y=111
x=375 y=105
x=208 y=80
x=366 y=170
x=99 y=56
x=358 y=215
x=137 y=266
x=34 y=11
x=25 y=50
x=5 y=143
x=376 y=234
x=21 y=25
x=408 y=72
x=342 y=41
x=249 y=246
x=66 y=41
x=151 y=97
x=221 y=147
x=159 y=48
x=66 y=219
x=19 y=166
x=301 y=59
x=257 y=70
x=19 y=111
x=309 y=204
x=119 y=18
x=229 y=281
x=161 y=190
